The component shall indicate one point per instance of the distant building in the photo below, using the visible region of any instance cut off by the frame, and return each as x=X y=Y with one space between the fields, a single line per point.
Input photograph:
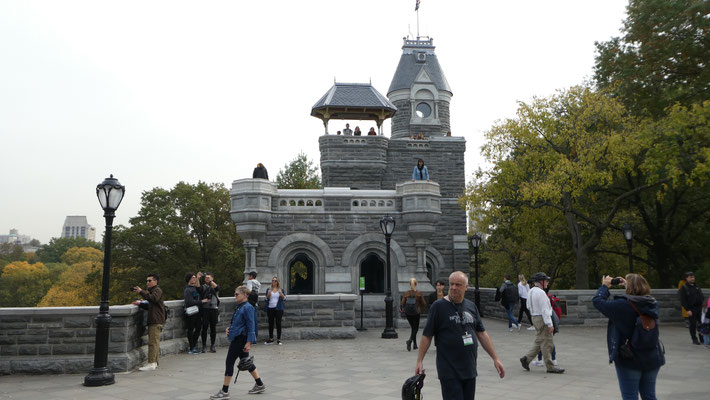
x=77 y=226
x=15 y=238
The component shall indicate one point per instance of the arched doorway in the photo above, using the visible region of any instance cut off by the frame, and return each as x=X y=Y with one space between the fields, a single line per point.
x=300 y=275
x=430 y=272
x=373 y=269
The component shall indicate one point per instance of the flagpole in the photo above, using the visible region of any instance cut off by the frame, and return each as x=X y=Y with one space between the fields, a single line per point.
x=417 y=23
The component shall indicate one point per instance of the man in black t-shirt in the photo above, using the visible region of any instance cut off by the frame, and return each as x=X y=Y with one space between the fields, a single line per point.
x=457 y=327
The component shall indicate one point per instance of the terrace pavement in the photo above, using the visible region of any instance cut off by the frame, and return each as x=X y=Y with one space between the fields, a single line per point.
x=372 y=368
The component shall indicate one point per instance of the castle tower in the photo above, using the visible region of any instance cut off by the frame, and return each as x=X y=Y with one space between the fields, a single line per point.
x=420 y=92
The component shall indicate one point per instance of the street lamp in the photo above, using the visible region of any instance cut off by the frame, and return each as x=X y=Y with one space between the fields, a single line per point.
x=110 y=193
x=387 y=226
x=476 y=243
x=628 y=231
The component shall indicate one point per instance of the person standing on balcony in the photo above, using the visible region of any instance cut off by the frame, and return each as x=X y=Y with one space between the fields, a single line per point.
x=153 y=297
x=260 y=172
x=420 y=172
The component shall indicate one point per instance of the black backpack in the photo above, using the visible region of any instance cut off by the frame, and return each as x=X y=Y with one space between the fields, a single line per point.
x=510 y=294
x=410 y=306
x=412 y=388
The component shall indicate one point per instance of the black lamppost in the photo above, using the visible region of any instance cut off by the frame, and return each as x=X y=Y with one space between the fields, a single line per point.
x=476 y=243
x=628 y=231
x=387 y=226
x=110 y=193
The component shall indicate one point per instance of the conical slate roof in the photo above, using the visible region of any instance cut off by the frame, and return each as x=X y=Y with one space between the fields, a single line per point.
x=353 y=101
x=418 y=55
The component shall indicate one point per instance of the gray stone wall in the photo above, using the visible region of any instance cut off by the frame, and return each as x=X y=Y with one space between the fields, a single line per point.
x=581 y=311
x=400 y=120
x=60 y=340
x=353 y=161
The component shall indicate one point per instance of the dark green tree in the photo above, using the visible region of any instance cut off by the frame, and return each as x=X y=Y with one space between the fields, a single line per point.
x=52 y=252
x=185 y=229
x=661 y=58
x=12 y=252
x=299 y=174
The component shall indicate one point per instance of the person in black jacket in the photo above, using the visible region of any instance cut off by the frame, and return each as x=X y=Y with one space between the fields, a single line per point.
x=153 y=302
x=192 y=298
x=260 y=172
x=636 y=374
x=210 y=310
x=691 y=298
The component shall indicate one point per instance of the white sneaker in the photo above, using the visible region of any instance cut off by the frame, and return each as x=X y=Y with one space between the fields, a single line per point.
x=532 y=328
x=510 y=329
x=149 y=367
x=537 y=363
x=554 y=362
x=220 y=395
x=518 y=326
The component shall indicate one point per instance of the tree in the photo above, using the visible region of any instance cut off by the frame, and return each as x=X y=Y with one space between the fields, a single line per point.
x=184 y=229
x=563 y=153
x=299 y=174
x=12 y=252
x=23 y=284
x=81 y=254
x=662 y=57
x=73 y=289
x=52 y=252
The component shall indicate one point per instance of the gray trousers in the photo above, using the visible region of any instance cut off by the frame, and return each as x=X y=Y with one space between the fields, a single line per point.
x=543 y=343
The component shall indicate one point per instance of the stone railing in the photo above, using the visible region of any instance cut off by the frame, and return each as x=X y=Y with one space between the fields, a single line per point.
x=61 y=339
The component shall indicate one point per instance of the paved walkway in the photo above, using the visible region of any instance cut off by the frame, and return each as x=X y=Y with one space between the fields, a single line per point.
x=374 y=369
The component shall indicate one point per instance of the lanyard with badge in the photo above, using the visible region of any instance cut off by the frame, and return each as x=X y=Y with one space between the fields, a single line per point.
x=466 y=337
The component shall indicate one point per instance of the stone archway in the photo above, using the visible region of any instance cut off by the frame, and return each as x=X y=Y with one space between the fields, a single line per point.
x=290 y=247
x=300 y=277
x=367 y=243
x=372 y=268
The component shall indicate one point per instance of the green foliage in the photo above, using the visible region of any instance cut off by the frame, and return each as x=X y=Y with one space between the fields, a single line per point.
x=299 y=174
x=72 y=288
x=12 y=252
x=77 y=255
x=52 y=252
x=23 y=284
x=661 y=58
x=185 y=229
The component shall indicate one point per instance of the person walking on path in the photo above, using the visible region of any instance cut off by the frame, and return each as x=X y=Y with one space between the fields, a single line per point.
x=420 y=171
x=194 y=321
x=275 y=309
x=413 y=304
x=210 y=311
x=241 y=334
x=153 y=297
x=439 y=293
x=691 y=298
x=523 y=289
x=556 y=315
x=509 y=299
x=541 y=310
x=637 y=368
x=456 y=324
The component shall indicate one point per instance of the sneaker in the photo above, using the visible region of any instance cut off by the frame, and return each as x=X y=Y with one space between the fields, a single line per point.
x=518 y=326
x=532 y=328
x=525 y=363
x=510 y=329
x=279 y=342
x=556 y=371
x=269 y=341
x=220 y=395
x=212 y=349
x=257 y=389
x=537 y=363
x=203 y=349
x=554 y=362
x=149 y=367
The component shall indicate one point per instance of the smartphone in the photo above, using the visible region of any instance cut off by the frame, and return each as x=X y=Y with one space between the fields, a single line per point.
x=616 y=281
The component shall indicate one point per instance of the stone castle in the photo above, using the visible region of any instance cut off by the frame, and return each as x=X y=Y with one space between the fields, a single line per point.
x=322 y=241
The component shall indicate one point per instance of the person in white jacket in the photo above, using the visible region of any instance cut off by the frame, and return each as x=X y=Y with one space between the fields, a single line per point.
x=541 y=310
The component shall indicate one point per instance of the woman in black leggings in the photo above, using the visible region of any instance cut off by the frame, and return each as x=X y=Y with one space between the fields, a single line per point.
x=241 y=333
x=194 y=321
x=413 y=304
x=275 y=309
x=523 y=289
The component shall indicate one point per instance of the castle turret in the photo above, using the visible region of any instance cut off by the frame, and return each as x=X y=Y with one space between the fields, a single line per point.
x=420 y=92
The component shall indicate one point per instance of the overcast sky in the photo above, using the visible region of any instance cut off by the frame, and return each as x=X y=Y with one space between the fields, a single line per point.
x=160 y=92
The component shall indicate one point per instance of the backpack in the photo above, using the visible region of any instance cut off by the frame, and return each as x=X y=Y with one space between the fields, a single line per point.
x=410 y=306
x=510 y=294
x=645 y=335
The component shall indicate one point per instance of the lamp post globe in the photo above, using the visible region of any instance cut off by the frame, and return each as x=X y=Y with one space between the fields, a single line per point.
x=628 y=231
x=110 y=193
x=476 y=243
x=387 y=225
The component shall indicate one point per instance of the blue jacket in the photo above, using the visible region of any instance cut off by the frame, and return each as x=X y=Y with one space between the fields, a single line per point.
x=243 y=323
x=423 y=176
x=622 y=320
x=279 y=305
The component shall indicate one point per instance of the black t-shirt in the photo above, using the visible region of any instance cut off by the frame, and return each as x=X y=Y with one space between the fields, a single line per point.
x=453 y=359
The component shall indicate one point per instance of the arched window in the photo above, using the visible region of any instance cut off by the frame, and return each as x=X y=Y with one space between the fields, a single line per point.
x=300 y=275
x=373 y=269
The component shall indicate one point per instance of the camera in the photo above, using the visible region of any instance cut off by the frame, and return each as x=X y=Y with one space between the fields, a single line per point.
x=616 y=281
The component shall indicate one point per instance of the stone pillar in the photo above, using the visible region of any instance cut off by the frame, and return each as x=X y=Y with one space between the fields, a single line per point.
x=421 y=211
x=251 y=213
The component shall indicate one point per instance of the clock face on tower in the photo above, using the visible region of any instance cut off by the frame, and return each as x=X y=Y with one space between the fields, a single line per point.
x=423 y=110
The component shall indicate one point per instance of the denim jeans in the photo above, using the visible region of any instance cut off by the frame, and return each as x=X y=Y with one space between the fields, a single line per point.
x=511 y=318
x=633 y=382
x=554 y=354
